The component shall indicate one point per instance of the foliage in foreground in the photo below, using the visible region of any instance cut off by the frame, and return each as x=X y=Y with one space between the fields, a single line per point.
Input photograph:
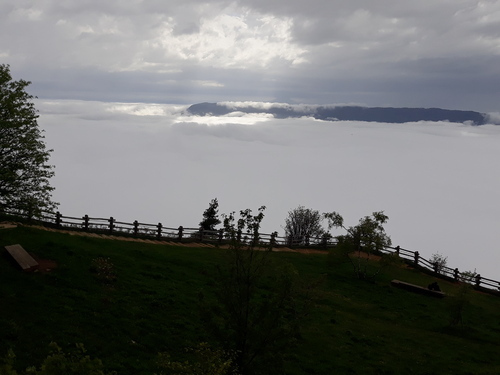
x=58 y=362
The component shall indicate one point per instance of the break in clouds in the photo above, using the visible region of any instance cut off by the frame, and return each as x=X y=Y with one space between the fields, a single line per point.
x=437 y=181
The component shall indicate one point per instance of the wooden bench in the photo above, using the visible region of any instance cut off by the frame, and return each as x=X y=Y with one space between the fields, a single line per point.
x=417 y=289
x=22 y=257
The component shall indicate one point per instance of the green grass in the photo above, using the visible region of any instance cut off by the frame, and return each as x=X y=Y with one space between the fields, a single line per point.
x=354 y=327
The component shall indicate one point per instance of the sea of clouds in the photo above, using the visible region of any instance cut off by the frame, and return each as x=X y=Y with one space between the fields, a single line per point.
x=438 y=182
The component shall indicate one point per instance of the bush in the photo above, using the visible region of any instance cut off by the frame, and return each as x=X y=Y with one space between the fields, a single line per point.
x=439 y=262
x=104 y=270
x=207 y=361
x=468 y=277
x=58 y=363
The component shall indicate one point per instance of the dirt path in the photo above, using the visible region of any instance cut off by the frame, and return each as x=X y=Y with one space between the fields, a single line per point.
x=9 y=225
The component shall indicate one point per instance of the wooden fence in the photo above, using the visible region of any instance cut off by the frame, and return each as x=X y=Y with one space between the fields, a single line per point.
x=414 y=259
x=160 y=232
x=183 y=234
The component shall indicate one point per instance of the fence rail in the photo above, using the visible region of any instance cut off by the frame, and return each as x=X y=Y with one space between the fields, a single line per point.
x=183 y=234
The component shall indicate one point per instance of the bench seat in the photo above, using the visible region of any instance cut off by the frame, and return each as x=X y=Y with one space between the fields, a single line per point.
x=21 y=256
x=417 y=289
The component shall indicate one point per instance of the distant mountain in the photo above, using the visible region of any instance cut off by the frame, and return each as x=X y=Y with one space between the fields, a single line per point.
x=341 y=113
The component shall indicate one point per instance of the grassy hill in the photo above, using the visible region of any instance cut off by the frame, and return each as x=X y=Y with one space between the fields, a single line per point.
x=354 y=326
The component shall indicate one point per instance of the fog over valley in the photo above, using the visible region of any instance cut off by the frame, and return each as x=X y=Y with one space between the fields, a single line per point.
x=437 y=181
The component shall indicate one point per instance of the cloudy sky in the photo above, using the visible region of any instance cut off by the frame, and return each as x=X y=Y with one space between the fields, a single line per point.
x=426 y=53
x=114 y=78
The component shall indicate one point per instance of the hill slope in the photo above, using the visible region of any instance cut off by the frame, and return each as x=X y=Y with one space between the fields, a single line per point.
x=354 y=326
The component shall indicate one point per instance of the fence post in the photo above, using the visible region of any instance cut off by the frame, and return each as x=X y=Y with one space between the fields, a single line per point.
x=221 y=235
x=415 y=261
x=273 y=239
x=58 y=219
x=307 y=240
x=136 y=227
x=478 y=280
x=158 y=232
x=181 y=230
x=201 y=232
x=255 y=239
x=86 y=223
x=111 y=224
x=289 y=241
x=325 y=241
x=455 y=274
x=397 y=250
x=435 y=265
x=238 y=236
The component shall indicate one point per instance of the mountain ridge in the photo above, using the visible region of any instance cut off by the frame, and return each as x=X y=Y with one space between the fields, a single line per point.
x=342 y=112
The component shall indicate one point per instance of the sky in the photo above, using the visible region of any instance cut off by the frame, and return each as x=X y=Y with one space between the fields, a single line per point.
x=426 y=53
x=113 y=79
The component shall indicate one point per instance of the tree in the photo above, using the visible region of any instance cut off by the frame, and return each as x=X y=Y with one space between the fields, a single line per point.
x=210 y=216
x=301 y=224
x=24 y=172
x=363 y=239
x=255 y=313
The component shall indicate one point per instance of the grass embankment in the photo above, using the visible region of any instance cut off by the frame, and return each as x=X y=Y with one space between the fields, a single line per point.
x=354 y=327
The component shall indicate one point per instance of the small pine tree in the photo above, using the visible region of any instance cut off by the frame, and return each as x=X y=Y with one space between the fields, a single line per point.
x=211 y=216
